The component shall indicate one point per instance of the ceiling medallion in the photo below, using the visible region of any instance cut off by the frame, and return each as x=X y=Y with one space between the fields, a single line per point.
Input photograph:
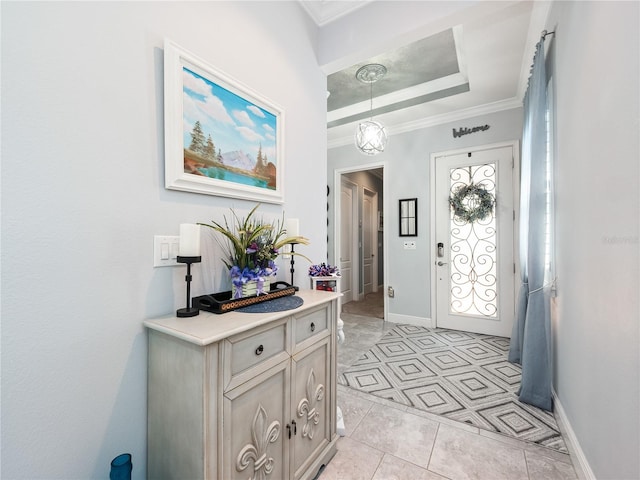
x=371 y=137
x=371 y=73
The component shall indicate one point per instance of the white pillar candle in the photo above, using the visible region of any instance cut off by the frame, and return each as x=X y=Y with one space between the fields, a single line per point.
x=189 y=240
x=292 y=226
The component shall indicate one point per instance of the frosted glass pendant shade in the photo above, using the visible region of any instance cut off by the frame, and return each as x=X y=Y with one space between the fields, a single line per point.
x=371 y=137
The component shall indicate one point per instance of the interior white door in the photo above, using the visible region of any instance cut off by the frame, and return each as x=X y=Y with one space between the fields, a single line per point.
x=474 y=260
x=369 y=242
x=347 y=253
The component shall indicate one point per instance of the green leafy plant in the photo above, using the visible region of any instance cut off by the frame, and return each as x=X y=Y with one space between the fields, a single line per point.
x=252 y=244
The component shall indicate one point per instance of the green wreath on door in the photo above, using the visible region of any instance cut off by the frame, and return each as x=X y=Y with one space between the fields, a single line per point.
x=471 y=202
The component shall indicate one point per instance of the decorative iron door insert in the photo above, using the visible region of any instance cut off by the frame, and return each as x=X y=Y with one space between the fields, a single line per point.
x=473 y=261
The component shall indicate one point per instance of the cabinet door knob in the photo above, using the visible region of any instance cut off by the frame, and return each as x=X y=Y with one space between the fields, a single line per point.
x=313 y=327
x=259 y=350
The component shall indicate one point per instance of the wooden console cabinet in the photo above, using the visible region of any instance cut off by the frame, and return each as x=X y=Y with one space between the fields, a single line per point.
x=243 y=395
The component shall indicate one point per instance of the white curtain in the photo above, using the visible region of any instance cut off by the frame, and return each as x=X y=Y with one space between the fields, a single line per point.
x=530 y=339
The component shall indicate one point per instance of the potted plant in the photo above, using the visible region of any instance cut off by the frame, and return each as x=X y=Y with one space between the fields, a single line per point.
x=250 y=250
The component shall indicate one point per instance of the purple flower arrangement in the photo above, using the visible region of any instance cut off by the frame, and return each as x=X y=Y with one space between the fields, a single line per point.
x=241 y=277
x=323 y=270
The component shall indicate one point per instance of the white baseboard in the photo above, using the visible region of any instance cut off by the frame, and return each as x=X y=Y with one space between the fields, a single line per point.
x=583 y=470
x=409 y=319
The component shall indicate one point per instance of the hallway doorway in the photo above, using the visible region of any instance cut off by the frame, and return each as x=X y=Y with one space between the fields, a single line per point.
x=359 y=238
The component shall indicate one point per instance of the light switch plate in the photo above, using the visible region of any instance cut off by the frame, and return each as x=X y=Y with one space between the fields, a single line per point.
x=165 y=243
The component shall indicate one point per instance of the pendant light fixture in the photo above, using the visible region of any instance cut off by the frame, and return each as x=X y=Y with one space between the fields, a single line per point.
x=371 y=137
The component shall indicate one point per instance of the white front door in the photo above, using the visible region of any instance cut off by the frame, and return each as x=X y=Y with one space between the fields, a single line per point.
x=474 y=260
x=348 y=261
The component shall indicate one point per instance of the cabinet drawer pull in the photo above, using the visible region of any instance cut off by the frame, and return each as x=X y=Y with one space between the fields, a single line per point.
x=313 y=327
x=259 y=350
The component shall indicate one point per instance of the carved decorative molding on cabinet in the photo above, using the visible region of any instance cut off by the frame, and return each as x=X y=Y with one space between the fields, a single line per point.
x=257 y=452
x=307 y=408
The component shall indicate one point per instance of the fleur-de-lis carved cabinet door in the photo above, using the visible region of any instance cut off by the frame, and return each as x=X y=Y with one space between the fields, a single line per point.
x=311 y=404
x=255 y=437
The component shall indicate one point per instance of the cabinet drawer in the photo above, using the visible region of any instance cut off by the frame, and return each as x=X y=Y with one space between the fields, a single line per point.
x=313 y=323
x=253 y=348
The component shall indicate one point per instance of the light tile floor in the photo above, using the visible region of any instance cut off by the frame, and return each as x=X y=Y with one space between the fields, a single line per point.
x=387 y=441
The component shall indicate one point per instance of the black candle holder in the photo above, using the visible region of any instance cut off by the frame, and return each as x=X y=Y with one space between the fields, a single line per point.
x=292 y=262
x=188 y=311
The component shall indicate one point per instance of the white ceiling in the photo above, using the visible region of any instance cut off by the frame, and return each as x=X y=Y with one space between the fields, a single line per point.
x=477 y=61
x=326 y=11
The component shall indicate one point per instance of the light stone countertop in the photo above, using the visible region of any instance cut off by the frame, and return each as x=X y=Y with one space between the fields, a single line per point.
x=207 y=328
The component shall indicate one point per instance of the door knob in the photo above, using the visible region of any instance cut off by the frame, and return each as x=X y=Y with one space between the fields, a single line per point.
x=441 y=263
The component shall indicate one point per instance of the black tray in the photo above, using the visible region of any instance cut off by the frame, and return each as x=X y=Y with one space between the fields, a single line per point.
x=224 y=302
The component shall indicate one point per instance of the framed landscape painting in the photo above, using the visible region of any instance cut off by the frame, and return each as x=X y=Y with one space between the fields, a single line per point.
x=221 y=138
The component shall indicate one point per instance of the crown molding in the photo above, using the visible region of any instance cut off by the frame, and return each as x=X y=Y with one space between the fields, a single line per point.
x=434 y=120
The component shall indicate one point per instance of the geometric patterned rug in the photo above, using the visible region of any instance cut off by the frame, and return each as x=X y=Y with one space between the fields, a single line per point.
x=462 y=376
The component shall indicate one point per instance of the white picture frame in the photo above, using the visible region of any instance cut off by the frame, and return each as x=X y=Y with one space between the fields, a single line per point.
x=221 y=137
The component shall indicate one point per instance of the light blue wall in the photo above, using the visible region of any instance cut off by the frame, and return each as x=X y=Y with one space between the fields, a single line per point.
x=83 y=195
x=594 y=62
x=406 y=169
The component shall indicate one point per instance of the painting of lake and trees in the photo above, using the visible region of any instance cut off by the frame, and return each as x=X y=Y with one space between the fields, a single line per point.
x=226 y=137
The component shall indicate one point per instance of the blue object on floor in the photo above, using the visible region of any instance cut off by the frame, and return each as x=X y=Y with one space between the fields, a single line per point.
x=121 y=467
